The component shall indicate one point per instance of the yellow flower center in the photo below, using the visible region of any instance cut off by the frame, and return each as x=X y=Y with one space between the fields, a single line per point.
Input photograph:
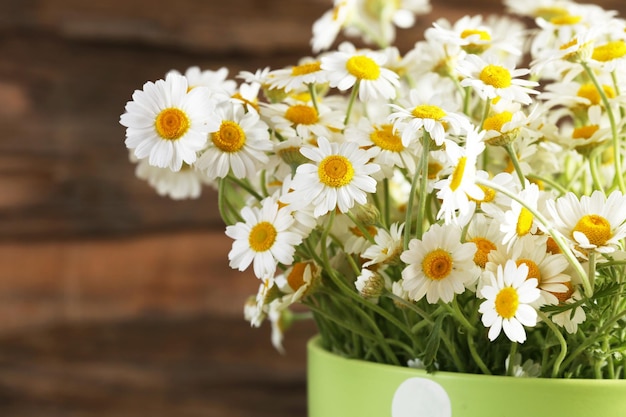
x=496 y=122
x=335 y=171
x=496 y=76
x=565 y=295
x=483 y=35
x=457 y=175
x=434 y=168
x=483 y=247
x=437 y=264
x=385 y=138
x=524 y=222
x=363 y=67
x=507 y=302
x=565 y=19
x=590 y=92
x=253 y=103
x=609 y=51
x=569 y=44
x=585 y=132
x=301 y=114
x=552 y=247
x=490 y=194
x=371 y=230
x=307 y=68
x=296 y=276
x=427 y=111
x=171 y=123
x=230 y=137
x=595 y=227
x=262 y=236
x=533 y=269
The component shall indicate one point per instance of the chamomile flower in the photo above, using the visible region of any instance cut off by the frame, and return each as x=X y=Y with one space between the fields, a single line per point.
x=338 y=176
x=168 y=124
x=434 y=114
x=295 y=118
x=370 y=284
x=298 y=280
x=387 y=144
x=307 y=72
x=593 y=223
x=491 y=80
x=439 y=265
x=348 y=67
x=264 y=238
x=178 y=185
x=456 y=189
x=238 y=145
x=475 y=36
x=327 y=27
x=485 y=234
x=387 y=247
x=567 y=318
x=519 y=221
x=550 y=270
x=216 y=81
x=509 y=296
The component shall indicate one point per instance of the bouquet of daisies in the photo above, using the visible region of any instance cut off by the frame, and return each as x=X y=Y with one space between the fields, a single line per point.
x=458 y=206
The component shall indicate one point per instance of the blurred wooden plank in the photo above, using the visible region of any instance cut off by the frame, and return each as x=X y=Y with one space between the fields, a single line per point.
x=96 y=280
x=205 y=366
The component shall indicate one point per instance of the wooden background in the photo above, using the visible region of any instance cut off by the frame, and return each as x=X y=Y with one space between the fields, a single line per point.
x=114 y=301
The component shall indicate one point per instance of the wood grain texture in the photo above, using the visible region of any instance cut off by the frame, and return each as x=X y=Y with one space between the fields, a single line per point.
x=115 y=301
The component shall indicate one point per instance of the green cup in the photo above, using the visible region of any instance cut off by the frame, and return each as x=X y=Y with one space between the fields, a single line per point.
x=340 y=387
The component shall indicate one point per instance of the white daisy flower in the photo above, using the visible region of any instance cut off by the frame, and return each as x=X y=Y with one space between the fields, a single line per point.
x=485 y=234
x=387 y=247
x=430 y=113
x=456 y=190
x=264 y=238
x=327 y=27
x=439 y=266
x=569 y=319
x=216 y=81
x=475 y=36
x=550 y=270
x=238 y=145
x=387 y=143
x=295 y=118
x=298 y=280
x=309 y=71
x=178 y=185
x=593 y=223
x=167 y=124
x=491 y=80
x=508 y=301
x=519 y=221
x=338 y=177
x=349 y=67
x=370 y=284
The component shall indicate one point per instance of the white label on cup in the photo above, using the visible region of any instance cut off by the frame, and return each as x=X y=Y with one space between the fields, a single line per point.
x=420 y=397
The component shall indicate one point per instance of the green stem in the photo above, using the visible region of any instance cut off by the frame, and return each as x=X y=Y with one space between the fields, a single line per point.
x=515 y=160
x=561 y=356
x=313 y=94
x=421 y=213
x=479 y=361
x=617 y=157
x=246 y=187
x=355 y=90
x=221 y=203
x=593 y=169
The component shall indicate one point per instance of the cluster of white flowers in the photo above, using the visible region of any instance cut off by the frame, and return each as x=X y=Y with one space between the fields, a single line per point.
x=411 y=179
